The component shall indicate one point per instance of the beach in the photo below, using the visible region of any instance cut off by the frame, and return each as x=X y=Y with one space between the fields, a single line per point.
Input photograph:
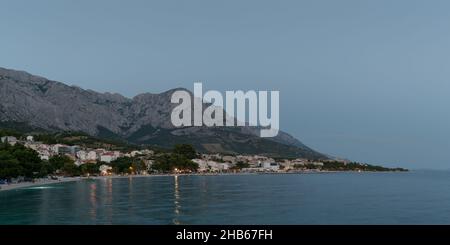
x=40 y=182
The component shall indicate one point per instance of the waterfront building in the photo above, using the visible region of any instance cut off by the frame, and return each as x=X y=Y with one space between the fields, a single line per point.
x=271 y=166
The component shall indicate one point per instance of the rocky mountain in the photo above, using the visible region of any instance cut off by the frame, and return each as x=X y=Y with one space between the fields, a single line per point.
x=145 y=119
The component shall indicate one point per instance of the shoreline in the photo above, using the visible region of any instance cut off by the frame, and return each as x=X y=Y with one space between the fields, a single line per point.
x=39 y=182
x=43 y=182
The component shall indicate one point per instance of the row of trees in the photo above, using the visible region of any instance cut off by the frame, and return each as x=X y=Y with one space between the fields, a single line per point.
x=128 y=165
x=18 y=161
x=352 y=166
x=180 y=159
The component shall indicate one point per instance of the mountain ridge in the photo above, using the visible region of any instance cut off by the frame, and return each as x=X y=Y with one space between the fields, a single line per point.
x=142 y=119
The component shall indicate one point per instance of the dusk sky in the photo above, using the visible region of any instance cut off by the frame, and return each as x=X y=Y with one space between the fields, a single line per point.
x=364 y=80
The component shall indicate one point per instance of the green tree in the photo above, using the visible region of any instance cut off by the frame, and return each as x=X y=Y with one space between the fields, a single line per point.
x=138 y=166
x=28 y=159
x=70 y=169
x=90 y=169
x=241 y=165
x=170 y=162
x=9 y=166
x=18 y=160
x=46 y=169
x=185 y=150
x=162 y=163
x=59 y=162
x=126 y=165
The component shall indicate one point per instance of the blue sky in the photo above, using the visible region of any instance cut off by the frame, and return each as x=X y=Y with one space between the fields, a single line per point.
x=366 y=80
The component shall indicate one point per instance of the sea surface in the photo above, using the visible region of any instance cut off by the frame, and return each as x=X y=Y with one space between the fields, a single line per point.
x=417 y=197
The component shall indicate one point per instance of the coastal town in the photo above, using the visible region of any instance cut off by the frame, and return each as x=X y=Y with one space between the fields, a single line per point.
x=207 y=163
x=36 y=161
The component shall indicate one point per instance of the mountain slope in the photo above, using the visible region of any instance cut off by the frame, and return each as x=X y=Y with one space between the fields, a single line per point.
x=144 y=119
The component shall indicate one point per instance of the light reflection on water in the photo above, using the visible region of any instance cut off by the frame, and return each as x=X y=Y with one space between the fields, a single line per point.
x=176 y=202
x=93 y=201
x=340 y=198
x=40 y=187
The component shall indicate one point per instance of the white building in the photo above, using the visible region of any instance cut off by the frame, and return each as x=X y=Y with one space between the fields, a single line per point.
x=208 y=165
x=108 y=157
x=148 y=152
x=135 y=153
x=78 y=162
x=91 y=156
x=30 y=138
x=271 y=166
x=202 y=164
x=117 y=154
x=99 y=152
x=44 y=154
x=55 y=148
x=32 y=145
x=9 y=139
x=82 y=155
x=317 y=163
x=223 y=166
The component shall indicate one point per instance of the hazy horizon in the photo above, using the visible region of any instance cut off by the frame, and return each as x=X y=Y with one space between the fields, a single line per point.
x=363 y=80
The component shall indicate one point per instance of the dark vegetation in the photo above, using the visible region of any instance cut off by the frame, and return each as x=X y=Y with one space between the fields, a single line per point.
x=352 y=166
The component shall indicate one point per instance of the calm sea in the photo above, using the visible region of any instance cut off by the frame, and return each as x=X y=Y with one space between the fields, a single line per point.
x=418 y=197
